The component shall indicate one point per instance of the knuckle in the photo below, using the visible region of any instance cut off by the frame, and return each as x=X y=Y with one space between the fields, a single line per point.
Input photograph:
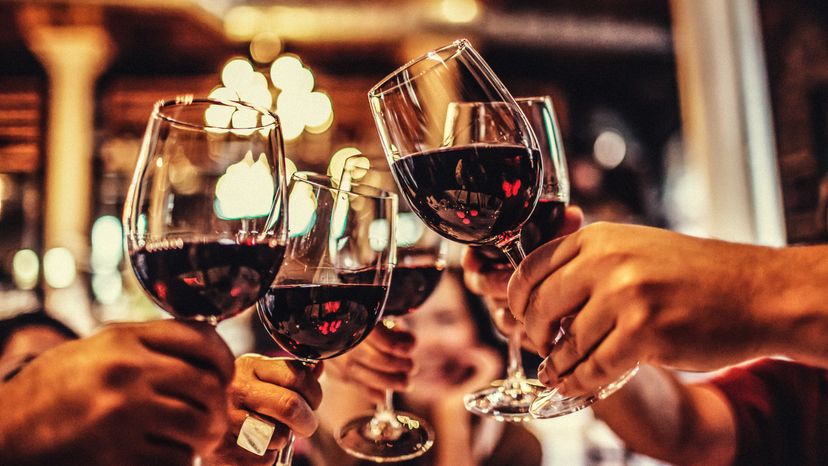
x=292 y=405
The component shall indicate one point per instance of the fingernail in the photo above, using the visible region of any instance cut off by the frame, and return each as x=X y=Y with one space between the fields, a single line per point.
x=543 y=377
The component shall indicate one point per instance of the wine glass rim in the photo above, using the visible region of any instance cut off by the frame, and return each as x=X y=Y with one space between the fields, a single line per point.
x=312 y=178
x=536 y=98
x=188 y=100
x=458 y=46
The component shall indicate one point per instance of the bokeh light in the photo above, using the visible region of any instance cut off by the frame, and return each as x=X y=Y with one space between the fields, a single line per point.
x=59 y=267
x=25 y=269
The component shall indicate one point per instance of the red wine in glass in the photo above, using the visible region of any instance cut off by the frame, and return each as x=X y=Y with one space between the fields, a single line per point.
x=320 y=321
x=206 y=280
x=473 y=193
x=410 y=287
x=543 y=226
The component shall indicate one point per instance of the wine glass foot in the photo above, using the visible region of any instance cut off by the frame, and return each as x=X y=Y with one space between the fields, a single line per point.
x=505 y=402
x=551 y=403
x=400 y=438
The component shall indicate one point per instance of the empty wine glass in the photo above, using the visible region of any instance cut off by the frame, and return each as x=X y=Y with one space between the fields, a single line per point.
x=332 y=287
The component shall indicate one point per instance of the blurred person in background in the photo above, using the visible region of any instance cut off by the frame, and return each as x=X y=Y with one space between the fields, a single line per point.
x=137 y=394
x=441 y=352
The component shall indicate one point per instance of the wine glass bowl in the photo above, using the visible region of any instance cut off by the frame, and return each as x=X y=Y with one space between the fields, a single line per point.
x=204 y=231
x=474 y=187
x=332 y=287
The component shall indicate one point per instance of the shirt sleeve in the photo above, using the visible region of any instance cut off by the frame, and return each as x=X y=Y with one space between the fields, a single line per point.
x=779 y=409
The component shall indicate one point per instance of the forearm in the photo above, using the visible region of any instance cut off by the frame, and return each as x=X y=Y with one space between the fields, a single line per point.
x=655 y=414
x=452 y=426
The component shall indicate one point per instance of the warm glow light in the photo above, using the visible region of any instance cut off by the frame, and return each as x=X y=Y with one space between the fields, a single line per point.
x=267 y=124
x=326 y=125
x=265 y=47
x=286 y=64
x=609 y=149
x=25 y=269
x=237 y=73
x=245 y=190
x=290 y=108
x=59 y=268
x=298 y=80
x=302 y=213
x=107 y=247
x=217 y=117
x=337 y=163
x=459 y=11
x=107 y=287
x=319 y=109
x=241 y=21
x=223 y=93
x=290 y=168
x=245 y=121
x=256 y=91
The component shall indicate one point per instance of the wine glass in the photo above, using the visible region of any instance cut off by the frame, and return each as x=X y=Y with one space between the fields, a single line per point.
x=204 y=231
x=332 y=287
x=472 y=180
x=385 y=434
x=527 y=399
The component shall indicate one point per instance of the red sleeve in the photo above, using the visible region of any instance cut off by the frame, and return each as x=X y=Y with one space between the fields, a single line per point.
x=781 y=412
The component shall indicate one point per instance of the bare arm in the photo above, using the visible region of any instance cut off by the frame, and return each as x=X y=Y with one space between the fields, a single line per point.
x=655 y=414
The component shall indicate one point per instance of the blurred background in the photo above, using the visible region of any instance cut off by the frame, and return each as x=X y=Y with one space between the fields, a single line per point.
x=704 y=116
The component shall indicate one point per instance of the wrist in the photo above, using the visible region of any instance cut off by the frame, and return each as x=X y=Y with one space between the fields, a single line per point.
x=797 y=309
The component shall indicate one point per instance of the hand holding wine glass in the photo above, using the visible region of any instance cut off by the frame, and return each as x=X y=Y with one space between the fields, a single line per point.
x=331 y=290
x=467 y=161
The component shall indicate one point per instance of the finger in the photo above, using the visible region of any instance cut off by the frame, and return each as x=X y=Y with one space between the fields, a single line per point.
x=573 y=219
x=292 y=375
x=162 y=451
x=537 y=266
x=379 y=361
x=281 y=404
x=605 y=365
x=391 y=340
x=200 y=388
x=586 y=332
x=561 y=294
x=195 y=342
x=177 y=421
x=484 y=276
x=397 y=381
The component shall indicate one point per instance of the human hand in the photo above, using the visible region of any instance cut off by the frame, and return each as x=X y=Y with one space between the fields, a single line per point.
x=131 y=394
x=382 y=361
x=281 y=390
x=641 y=294
x=489 y=278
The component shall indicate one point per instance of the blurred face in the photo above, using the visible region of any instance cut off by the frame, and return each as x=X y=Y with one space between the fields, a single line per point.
x=445 y=331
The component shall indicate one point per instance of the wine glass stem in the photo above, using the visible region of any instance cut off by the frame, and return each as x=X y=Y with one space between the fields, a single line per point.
x=387 y=406
x=513 y=249
x=285 y=457
x=514 y=372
